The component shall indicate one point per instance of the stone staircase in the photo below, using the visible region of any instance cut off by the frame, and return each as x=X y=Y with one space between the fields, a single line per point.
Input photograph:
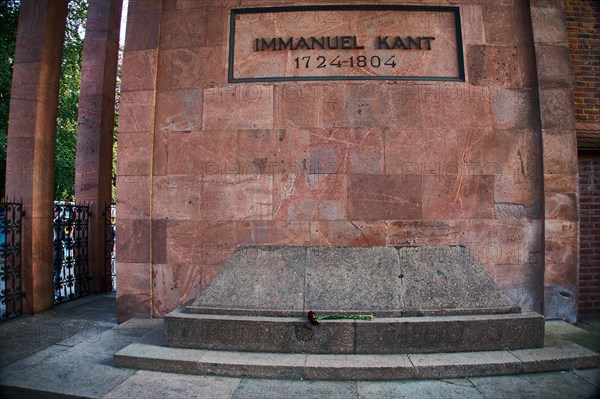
x=437 y=314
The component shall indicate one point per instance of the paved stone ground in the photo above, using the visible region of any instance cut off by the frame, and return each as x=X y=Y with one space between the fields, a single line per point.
x=67 y=353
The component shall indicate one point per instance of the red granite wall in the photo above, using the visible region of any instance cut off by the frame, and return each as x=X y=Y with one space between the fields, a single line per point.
x=205 y=166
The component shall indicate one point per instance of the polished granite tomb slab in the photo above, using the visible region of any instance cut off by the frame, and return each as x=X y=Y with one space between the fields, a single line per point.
x=424 y=300
x=384 y=281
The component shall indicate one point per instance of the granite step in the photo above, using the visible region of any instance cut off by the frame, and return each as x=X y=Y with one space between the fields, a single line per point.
x=355 y=367
x=382 y=335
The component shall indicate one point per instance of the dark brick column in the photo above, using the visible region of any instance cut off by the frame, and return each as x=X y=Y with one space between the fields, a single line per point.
x=31 y=140
x=96 y=124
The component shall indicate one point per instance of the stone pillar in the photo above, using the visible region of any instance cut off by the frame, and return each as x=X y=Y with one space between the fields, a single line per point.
x=560 y=158
x=134 y=165
x=31 y=141
x=95 y=126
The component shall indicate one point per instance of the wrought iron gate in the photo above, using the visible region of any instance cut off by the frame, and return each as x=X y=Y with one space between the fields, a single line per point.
x=11 y=290
x=110 y=258
x=71 y=270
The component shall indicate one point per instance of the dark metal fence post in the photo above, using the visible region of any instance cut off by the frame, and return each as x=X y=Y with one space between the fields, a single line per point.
x=109 y=248
x=11 y=289
x=71 y=270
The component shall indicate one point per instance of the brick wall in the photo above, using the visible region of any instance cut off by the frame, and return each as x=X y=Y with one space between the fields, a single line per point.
x=583 y=19
x=589 y=269
x=583 y=29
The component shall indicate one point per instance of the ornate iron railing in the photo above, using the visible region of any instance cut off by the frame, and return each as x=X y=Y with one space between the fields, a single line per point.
x=71 y=270
x=11 y=289
x=110 y=258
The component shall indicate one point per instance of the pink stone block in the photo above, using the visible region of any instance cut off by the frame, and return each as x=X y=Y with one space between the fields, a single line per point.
x=142 y=30
x=179 y=110
x=272 y=151
x=238 y=107
x=209 y=154
x=454 y=107
x=310 y=105
x=462 y=197
x=506 y=24
x=514 y=108
x=413 y=151
x=201 y=67
x=549 y=25
x=347 y=233
x=522 y=283
x=556 y=107
x=193 y=242
x=560 y=183
x=177 y=197
x=498 y=152
x=134 y=294
x=560 y=152
x=139 y=70
x=133 y=244
x=494 y=66
x=22 y=117
x=561 y=262
x=293 y=233
x=240 y=197
x=309 y=197
x=174 y=285
x=165 y=62
x=134 y=150
x=473 y=26
x=561 y=206
x=136 y=112
x=520 y=189
x=503 y=242
x=375 y=105
x=347 y=150
x=554 y=66
x=133 y=198
x=182 y=28
x=422 y=232
x=384 y=197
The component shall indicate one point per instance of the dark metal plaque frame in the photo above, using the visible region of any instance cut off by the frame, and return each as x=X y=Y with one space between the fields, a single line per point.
x=264 y=10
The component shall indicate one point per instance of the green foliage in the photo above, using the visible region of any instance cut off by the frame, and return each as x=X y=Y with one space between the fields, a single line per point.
x=9 y=18
x=66 y=130
x=70 y=79
x=68 y=102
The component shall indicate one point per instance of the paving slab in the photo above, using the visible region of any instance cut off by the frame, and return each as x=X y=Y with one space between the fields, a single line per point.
x=590 y=375
x=277 y=389
x=558 y=385
x=72 y=373
x=20 y=339
x=561 y=330
x=15 y=369
x=551 y=358
x=150 y=384
x=450 y=365
x=442 y=389
x=368 y=367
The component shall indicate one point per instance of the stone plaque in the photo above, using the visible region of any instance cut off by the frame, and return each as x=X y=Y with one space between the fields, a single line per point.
x=359 y=42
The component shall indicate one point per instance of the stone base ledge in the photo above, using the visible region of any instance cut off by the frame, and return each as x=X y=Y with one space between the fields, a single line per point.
x=386 y=335
x=354 y=367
